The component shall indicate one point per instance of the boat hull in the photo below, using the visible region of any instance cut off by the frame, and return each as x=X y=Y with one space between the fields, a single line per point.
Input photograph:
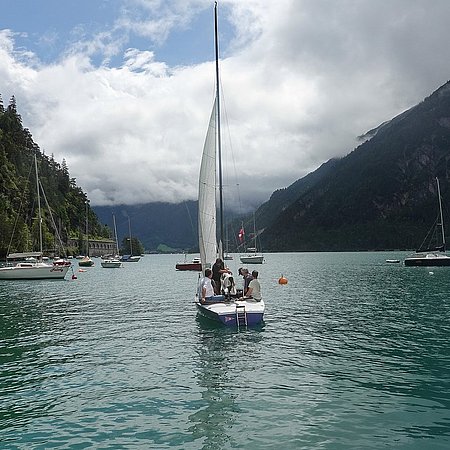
x=37 y=272
x=86 y=262
x=130 y=258
x=227 y=313
x=111 y=263
x=197 y=267
x=430 y=260
x=252 y=259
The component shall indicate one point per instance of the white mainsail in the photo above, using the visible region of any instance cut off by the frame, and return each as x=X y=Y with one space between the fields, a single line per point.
x=207 y=196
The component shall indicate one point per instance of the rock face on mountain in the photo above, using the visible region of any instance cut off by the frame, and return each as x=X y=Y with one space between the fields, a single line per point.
x=380 y=196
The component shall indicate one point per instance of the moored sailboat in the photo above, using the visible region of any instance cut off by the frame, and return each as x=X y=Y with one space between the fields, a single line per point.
x=86 y=261
x=113 y=262
x=130 y=257
x=252 y=256
x=30 y=265
x=225 y=309
x=435 y=255
x=194 y=265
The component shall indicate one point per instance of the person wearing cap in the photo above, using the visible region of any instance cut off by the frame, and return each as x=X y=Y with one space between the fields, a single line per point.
x=247 y=278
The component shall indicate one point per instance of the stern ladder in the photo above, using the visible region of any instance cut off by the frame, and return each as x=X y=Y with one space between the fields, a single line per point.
x=241 y=316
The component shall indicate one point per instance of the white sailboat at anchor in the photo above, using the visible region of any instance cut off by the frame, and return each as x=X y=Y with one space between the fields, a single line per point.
x=252 y=256
x=435 y=255
x=30 y=265
x=113 y=262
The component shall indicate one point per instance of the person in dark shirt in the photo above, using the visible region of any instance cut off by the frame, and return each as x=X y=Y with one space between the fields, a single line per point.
x=217 y=270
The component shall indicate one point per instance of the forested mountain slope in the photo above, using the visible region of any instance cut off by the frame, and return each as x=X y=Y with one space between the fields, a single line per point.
x=380 y=196
x=18 y=205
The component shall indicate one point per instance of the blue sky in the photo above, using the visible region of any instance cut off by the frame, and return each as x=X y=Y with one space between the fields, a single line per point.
x=49 y=27
x=123 y=88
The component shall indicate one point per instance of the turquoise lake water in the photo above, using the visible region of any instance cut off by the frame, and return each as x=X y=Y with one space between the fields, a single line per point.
x=354 y=353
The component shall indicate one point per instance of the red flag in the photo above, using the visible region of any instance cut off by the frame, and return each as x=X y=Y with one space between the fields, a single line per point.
x=241 y=234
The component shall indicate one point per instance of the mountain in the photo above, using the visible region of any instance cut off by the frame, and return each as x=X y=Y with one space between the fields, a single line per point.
x=159 y=226
x=281 y=199
x=380 y=196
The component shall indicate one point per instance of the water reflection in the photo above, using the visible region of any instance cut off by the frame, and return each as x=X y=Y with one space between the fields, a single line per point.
x=218 y=375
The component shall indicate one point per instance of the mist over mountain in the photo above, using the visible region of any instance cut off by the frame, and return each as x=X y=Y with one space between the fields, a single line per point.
x=382 y=195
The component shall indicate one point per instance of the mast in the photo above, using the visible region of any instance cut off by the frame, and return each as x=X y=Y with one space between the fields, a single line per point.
x=441 y=216
x=39 y=204
x=219 y=142
x=254 y=231
x=87 y=230
x=115 y=235
x=131 y=242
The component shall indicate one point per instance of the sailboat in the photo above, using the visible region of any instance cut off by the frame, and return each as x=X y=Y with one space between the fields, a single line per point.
x=130 y=257
x=86 y=261
x=30 y=265
x=194 y=265
x=229 y=311
x=252 y=256
x=113 y=262
x=433 y=255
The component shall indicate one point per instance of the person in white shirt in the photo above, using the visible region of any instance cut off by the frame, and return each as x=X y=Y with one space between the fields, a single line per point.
x=206 y=290
x=254 y=288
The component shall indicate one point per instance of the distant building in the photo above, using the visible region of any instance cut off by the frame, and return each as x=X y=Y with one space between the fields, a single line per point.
x=96 y=247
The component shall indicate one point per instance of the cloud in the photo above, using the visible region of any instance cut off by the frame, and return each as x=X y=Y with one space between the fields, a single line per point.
x=301 y=79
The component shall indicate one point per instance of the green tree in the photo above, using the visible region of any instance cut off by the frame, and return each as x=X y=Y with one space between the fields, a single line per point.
x=136 y=247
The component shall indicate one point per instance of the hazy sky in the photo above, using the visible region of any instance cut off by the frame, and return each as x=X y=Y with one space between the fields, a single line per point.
x=123 y=89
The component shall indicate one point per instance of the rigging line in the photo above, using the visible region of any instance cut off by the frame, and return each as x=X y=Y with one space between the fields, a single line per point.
x=230 y=143
x=53 y=220
x=18 y=213
x=430 y=235
x=190 y=219
x=440 y=210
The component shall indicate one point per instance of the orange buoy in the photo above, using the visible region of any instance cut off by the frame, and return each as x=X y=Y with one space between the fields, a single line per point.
x=282 y=280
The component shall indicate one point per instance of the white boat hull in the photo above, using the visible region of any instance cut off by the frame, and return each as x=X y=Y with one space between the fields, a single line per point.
x=39 y=271
x=428 y=260
x=111 y=263
x=252 y=259
x=130 y=258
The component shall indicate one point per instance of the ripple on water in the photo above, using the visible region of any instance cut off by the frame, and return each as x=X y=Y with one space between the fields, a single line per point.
x=353 y=354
